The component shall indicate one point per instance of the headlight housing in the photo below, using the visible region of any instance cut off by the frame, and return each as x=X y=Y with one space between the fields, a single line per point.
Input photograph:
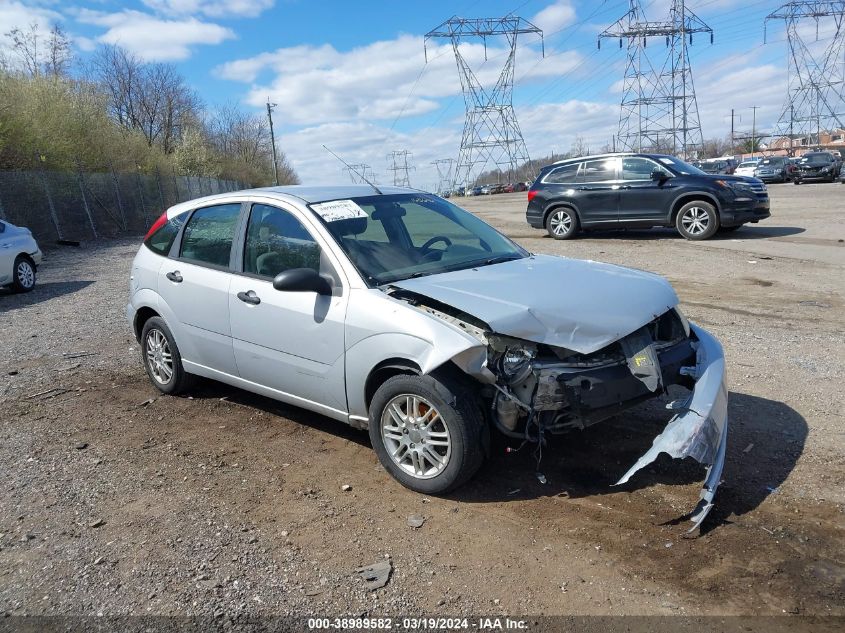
x=511 y=359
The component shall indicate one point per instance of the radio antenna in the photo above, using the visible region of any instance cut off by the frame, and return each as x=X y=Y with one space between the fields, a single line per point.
x=353 y=168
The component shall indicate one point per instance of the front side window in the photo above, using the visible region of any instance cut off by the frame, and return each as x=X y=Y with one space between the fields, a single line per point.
x=394 y=237
x=636 y=168
x=599 y=170
x=209 y=234
x=277 y=241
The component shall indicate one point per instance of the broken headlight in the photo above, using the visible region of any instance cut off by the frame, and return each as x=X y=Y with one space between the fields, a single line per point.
x=512 y=358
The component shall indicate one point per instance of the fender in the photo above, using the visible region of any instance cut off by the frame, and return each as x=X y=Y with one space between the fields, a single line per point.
x=673 y=208
x=556 y=204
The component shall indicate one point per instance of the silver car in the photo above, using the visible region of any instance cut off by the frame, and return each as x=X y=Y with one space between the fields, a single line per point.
x=19 y=257
x=398 y=312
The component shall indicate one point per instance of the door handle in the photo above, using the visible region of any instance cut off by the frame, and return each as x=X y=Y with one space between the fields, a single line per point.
x=174 y=277
x=249 y=297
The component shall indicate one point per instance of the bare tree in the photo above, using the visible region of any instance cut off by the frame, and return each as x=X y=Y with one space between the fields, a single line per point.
x=59 y=54
x=151 y=98
x=25 y=48
x=241 y=135
x=580 y=147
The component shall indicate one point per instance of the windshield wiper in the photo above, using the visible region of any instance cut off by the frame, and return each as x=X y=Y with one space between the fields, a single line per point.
x=502 y=258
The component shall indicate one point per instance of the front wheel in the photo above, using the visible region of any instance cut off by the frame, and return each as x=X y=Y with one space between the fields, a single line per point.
x=428 y=433
x=697 y=220
x=23 y=274
x=562 y=223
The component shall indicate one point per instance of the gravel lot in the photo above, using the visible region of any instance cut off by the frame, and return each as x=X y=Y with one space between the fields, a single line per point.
x=118 y=501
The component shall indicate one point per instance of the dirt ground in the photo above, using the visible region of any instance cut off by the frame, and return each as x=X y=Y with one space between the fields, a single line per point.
x=119 y=501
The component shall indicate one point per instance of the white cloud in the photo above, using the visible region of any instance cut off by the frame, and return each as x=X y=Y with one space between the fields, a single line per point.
x=555 y=17
x=153 y=38
x=380 y=81
x=14 y=14
x=210 y=8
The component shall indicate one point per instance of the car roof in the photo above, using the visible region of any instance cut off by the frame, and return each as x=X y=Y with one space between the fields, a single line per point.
x=610 y=155
x=305 y=193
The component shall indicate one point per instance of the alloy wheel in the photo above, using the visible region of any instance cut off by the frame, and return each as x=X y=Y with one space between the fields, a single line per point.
x=561 y=222
x=695 y=221
x=159 y=356
x=26 y=274
x=415 y=435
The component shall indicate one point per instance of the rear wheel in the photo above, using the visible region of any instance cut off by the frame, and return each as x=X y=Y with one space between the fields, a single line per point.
x=697 y=220
x=428 y=433
x=23 y=278
x=562 y=223
x=162 y=359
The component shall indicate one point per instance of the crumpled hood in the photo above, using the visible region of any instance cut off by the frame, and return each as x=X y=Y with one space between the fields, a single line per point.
x=577 y=304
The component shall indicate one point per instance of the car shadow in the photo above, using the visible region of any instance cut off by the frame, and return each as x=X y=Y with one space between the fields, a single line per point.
x=765 y=440
x=10 y=300
x=587 y=463
x=747 y=232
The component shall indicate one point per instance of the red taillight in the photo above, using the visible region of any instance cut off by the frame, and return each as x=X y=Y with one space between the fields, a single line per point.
x=531 y=195
x=156 y=225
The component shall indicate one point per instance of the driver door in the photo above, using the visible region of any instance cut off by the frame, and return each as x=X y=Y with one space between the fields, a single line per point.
x=291 y=342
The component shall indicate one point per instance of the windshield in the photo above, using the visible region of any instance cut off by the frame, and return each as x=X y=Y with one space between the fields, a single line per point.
x=746 y=165
x=816 y=159
x=680 y=166
x=394 y=237
x=771 y=161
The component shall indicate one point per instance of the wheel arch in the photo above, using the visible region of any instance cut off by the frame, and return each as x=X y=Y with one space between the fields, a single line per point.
x=142 y=315
x=693 y=196
x=386 y=370
x=558 y=205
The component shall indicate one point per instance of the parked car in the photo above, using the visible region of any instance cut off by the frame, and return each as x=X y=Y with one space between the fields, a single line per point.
x=476 y=191
x=486 y=190
x=521 y=186
x=746 y=168
x=641 y=191
x=508 y=188
x=716 y=166
x=398 y=312
x=773 y=169
x=816 y=166
x=497 y=188
x=19 y=257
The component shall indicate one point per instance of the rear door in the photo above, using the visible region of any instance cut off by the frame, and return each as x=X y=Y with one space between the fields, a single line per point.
x=597 y=191
x=7 y=253
x=291 y=342
x=195 y=286
x=642 y=200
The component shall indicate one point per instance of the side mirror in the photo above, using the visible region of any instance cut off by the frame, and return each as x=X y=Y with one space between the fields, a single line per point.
x=658 y=176
x=302 y=280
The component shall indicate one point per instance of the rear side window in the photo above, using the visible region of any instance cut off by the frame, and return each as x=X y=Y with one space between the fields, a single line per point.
x=209 y=234
x=600 y=170
x=161 y=241
x=563 y=174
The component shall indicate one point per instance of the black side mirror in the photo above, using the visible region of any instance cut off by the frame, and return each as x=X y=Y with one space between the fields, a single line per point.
x=658 y=176
x=302 y=280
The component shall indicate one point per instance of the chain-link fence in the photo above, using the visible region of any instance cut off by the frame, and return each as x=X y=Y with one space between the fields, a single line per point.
x=60 y=205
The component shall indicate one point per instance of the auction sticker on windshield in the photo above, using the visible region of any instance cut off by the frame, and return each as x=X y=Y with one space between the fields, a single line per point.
x=338 y=210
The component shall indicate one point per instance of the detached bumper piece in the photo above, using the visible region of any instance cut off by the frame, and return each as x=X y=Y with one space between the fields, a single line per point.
x=700 y=429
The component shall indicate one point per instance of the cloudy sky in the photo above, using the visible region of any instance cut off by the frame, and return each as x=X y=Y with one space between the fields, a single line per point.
x=353 y=75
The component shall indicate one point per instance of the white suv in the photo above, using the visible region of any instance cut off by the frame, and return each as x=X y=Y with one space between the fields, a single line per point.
x=19 y=257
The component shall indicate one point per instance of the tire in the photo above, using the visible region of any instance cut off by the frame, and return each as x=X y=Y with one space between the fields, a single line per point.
x=156 y=342
x=796 y=181
x=456 y=425
x=697 y=220
x=23 y=274
x=562 y=223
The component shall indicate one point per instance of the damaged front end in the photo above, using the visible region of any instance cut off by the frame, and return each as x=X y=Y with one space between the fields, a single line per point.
x=532 y=388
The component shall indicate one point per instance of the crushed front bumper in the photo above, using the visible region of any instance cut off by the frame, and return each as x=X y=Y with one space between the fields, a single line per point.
x=700 y=429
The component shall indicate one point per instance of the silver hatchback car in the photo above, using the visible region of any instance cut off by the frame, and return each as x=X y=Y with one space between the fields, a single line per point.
x=398 y=312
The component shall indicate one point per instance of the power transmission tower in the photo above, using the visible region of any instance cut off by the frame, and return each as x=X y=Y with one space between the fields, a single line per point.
x=816 y=94
x=491 y=132
x=358 y=172
x=400 y=167
x=445 y=176
x=659 y=111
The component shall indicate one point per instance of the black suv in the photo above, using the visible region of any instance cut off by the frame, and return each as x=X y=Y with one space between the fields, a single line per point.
x=816 y=166
x=641 y=191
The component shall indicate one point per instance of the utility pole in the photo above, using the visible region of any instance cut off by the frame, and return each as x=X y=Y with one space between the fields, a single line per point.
x=270 y=107
x=491 y=131
x=658 y=97
x=733 y=141
x=753 y=129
